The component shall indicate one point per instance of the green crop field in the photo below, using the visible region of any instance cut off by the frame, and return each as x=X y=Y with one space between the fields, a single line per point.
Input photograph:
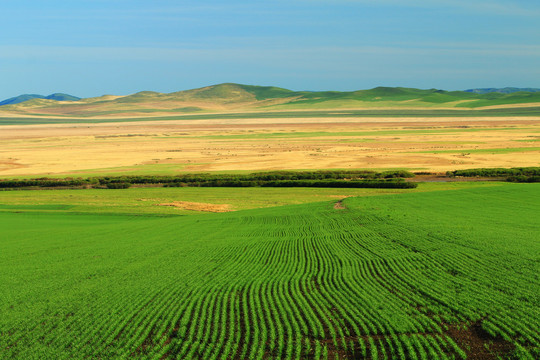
x=310 y=111
x=447 y=271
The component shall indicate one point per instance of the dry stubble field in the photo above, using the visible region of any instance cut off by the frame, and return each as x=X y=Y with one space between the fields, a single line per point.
x=422 y=143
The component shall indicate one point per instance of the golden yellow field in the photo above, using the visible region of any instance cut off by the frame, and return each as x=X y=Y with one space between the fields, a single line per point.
x=421 y=143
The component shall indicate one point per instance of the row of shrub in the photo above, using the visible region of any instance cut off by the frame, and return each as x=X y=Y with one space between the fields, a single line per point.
x=263 y=176
x=389 y=184
x=45 y=182
x=205 y=179
x=358 y=178
x=496 y=172
x=330 y=174
x=523 y=179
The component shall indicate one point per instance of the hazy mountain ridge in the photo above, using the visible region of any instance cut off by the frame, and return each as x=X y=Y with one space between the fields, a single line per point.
x=239 y=97
x=505 y=90
x=26 y=97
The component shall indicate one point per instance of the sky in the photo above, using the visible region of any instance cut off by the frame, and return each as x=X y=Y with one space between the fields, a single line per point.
x=92 y=47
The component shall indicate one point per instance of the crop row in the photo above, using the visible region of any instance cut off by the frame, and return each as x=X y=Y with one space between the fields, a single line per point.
x=390 y=277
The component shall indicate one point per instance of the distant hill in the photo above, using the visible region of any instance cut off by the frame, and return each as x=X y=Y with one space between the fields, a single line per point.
x=230 y=97
x=62 y=97
x=506 y=90
x=26 y=97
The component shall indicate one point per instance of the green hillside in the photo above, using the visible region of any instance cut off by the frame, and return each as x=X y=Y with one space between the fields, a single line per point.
x=378 y=94
x=231 y=97
x=436 y=275
x=491 y=99
x=395 y=95
x=140 y=96
x=62 y=97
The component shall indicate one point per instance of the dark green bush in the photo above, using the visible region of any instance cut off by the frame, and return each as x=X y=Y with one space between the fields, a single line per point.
x=117 y=185
x=326 y=178
x=496 y=172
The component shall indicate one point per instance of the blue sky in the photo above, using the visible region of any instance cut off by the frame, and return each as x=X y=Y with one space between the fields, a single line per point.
x=94 y=47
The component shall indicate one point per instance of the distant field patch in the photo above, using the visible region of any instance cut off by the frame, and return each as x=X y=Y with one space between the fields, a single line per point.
x=108 y=116
x=531 y=139
x=197 y=206
x=482 y=151
x=29 y=207
x=294 y=134
x=229 y=145
x=144 y=200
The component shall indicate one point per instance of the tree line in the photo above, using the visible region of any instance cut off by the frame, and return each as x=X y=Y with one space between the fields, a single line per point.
x=516 y=174
x=336 y=178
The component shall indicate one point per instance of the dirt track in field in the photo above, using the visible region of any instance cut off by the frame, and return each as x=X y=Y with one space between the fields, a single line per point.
x=431 y=144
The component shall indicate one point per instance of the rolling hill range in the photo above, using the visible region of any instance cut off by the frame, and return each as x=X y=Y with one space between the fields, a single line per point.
x=26 y=97
x=231 y=97
x=506 y=90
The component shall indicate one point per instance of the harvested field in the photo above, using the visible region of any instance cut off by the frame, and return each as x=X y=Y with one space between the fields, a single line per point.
x=434 y=144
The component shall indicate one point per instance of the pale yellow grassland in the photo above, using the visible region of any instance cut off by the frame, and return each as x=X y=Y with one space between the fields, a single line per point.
x=225 y=144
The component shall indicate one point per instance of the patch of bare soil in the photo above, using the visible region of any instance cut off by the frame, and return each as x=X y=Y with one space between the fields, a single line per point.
x=339 y=205
x=478 y=343
x=473 y=340
x=195 y=206
x=10 y=164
